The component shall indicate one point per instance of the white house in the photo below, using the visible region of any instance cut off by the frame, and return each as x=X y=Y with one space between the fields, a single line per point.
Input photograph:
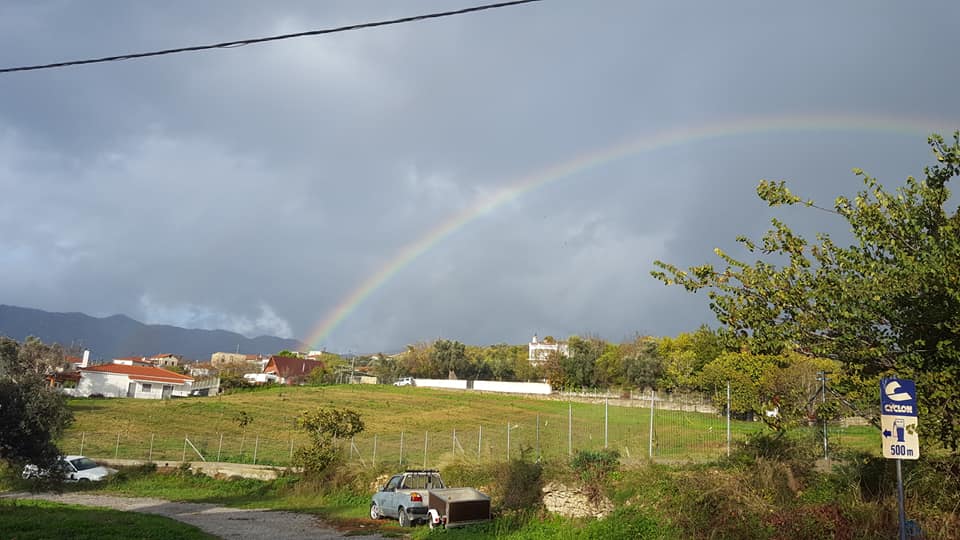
x=260 y=378
x=539 y=351
x=122 y=380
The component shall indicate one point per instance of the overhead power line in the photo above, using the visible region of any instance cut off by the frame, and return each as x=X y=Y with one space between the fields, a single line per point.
x=253 y=41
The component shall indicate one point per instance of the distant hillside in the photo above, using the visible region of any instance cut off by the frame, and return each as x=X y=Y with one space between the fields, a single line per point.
x=119 y=335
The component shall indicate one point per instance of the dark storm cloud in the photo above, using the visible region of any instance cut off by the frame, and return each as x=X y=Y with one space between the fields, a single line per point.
x=256 y=188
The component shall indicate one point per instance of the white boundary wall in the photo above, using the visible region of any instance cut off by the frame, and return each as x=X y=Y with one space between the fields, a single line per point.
x=441 y=383
x=486 y=386
x=513 y=387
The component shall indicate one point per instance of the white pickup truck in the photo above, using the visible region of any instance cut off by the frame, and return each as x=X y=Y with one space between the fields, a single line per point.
x=420 y=496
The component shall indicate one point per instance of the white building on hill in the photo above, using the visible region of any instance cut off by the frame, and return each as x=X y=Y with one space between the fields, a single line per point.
x=541 y=350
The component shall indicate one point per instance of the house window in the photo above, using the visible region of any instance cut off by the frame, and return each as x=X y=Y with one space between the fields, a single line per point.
x=146 y=387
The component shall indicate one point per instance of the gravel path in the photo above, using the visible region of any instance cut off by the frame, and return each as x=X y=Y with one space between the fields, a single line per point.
x=228 y=523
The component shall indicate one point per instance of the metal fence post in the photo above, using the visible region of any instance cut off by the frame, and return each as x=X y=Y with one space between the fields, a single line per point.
x=570 y=429
x=116 y=451
x=374 y=461
x=538 y=436
x=426 y=440
x=479 y=442
x=183 y=458
x=401 y=449
x=256 y=446
x=728 y=418
x=83 y=435
x=650 y=447
x=291 y=448
x=150 y=453
x=220 y=447
x=453 y=442
x=606 y=420
x=508 y=441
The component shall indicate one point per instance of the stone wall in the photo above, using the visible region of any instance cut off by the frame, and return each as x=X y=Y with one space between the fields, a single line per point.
x=572 y=502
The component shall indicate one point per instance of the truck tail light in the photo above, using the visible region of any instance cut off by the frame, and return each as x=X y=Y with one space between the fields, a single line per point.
x=415 y=497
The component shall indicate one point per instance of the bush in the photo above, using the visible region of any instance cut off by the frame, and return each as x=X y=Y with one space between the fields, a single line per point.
x=811 y=521
x=593 y=468
x=776 y=446
x=520 y=484
x=326 y=427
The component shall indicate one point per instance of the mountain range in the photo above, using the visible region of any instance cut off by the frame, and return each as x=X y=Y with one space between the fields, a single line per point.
x=120 y=336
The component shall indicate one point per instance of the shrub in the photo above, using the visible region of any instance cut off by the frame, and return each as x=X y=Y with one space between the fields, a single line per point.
x=810 y=521
x=776 y=446
x=520 y=484
x=326 y=428
x=593 y=468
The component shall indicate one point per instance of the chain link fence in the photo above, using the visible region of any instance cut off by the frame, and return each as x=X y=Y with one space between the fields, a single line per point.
x=639 y=428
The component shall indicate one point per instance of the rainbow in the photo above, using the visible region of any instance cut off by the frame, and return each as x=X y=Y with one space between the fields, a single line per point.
x=598 y=157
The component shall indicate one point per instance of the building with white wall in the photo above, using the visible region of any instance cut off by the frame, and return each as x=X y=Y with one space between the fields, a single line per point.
x=124 y=380
x=539 y=350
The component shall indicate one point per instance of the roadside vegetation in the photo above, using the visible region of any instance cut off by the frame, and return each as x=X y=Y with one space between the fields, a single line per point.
x=769 y=489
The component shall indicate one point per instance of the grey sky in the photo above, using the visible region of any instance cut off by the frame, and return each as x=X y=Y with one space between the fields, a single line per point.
x=255 y=188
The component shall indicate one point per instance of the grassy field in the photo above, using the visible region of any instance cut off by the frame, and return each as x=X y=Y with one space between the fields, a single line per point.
x=418 y=426
x=28 y=519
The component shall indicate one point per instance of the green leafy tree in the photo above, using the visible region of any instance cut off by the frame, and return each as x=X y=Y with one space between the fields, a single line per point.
x=744 y=372
x=450 y=357
x=553 y=371
x=887 y=304
x=416 y=361
x=609 y=367
x=325 y=427
x=32 y=415
x=579 y=368
x=387 y=369
x=642 y=365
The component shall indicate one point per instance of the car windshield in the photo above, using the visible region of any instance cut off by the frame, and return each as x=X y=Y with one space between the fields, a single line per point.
x=83 y=463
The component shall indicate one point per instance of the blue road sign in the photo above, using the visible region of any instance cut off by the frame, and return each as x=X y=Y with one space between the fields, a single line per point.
x=898 y=397
x=898 y=419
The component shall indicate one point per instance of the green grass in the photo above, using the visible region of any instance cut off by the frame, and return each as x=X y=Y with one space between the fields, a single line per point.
x=625 y=524
x=42 y=520
x=419 y=425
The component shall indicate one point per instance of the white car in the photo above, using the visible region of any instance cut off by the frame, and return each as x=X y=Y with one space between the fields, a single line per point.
x=74 y=469
x=406 y=381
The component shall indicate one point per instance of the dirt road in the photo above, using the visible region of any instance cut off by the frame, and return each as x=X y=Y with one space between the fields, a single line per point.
x=228 y=523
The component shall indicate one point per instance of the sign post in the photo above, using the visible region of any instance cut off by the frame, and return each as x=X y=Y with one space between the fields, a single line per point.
x=898 y=426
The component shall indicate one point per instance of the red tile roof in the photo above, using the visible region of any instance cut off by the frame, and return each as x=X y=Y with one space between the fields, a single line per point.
x=141 y=373
x=286 y=367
